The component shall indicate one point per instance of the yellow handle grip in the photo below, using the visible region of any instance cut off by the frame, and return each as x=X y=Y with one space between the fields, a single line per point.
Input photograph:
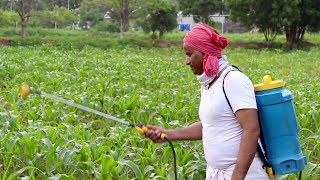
x=144 y=130
x=270 y=172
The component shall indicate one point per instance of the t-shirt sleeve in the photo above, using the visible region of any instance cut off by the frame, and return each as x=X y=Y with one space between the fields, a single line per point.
x=240 y=92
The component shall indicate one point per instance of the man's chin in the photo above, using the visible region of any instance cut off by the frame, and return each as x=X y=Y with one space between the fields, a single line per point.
x=196 y=73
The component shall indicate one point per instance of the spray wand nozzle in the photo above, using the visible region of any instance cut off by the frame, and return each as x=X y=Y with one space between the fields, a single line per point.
x=25 y=90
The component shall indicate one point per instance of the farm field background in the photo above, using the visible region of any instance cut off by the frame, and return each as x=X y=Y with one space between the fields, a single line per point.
x=42 y=139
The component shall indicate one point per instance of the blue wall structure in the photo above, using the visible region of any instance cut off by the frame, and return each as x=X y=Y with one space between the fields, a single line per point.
x=184 y=26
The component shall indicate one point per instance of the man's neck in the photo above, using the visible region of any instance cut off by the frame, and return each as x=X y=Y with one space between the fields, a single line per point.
x=217 y=77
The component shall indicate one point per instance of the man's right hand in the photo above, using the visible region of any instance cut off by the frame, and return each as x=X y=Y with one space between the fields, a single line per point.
x=154 y=133
x=192 y=132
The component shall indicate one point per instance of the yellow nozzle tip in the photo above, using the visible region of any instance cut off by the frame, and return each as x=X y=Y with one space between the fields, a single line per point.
x=24 y=91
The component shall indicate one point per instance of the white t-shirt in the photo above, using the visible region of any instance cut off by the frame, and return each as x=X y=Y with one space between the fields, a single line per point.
x=221 y=133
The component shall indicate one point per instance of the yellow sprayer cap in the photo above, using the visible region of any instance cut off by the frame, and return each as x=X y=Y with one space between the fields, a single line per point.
x=268 y=84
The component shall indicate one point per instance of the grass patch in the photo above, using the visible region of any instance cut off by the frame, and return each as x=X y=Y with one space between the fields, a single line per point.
x=80 y=38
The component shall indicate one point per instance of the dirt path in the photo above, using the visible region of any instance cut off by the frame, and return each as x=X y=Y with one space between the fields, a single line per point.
x=168 y=44
x=5 y=42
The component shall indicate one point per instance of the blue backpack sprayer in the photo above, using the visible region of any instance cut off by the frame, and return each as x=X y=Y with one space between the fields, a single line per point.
x=280 y=148
x=279 y=127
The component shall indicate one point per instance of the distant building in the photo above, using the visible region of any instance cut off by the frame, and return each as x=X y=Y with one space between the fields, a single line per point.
x=227 y=26
x=107 y=17
x=185 y=20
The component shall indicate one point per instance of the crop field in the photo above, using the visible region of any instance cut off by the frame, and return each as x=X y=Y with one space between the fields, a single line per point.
x=43 y=139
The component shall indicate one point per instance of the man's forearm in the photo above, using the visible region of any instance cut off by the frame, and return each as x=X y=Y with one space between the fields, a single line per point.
x=248 y=148
x=192 y=132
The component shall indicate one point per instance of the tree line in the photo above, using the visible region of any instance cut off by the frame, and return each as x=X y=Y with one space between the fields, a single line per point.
x=151 y=15
x=272 y=17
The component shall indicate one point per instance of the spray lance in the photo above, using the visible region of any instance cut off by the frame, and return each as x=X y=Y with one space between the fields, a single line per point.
x=25 y=91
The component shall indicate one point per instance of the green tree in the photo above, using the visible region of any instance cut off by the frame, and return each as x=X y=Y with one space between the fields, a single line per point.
x=201 y=9
x=59 y=17
x=42 y=19
x=63 y=17
x=92 y=11
x=24 y=9
x=123 y=9
x=12 y=18
x=69 y=4
x=107 y=26
x=36 y=20
x=295 y=17
x=259 y=13
x=3 y=20
x=159 y=15
x=5 y=4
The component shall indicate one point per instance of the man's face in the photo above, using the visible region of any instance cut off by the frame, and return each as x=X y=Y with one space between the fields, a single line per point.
x=194 y=59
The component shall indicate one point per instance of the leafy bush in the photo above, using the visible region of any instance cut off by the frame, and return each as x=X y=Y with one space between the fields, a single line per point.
x=8 y=18
x=107 y=27
x=59 y=17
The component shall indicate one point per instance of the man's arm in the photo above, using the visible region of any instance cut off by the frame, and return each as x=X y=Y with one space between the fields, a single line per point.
x=192 y=132
x=248 y=119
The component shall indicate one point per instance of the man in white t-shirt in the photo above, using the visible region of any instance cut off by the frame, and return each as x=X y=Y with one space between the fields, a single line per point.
x=229 y=132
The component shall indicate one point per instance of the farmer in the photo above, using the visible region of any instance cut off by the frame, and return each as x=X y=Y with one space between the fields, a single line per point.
x=229 y=134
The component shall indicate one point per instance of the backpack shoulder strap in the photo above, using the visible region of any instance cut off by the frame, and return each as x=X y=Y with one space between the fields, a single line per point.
x=260 y=147
x=224 y=92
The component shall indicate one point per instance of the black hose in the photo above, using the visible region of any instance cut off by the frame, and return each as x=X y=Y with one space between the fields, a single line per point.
x=171 y=145
x=174 y=158
x=300 y=175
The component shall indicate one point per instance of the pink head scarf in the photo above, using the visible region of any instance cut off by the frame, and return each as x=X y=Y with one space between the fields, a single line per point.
x=204 y=39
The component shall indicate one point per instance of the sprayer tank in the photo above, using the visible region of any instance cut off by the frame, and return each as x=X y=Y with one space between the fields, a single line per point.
x=279 y=127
